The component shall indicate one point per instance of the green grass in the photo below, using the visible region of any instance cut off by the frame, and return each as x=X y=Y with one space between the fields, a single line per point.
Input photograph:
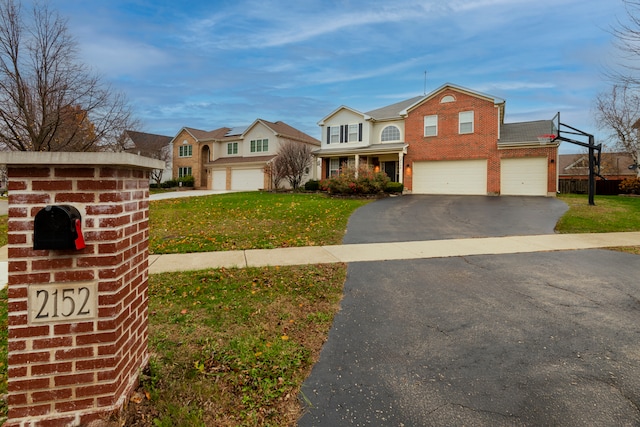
x=231 y=347
x=610 y=214
x=255 y=220
x=3 y=230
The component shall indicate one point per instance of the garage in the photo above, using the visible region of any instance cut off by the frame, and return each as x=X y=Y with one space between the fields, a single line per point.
x=524 y=177
x=467 y=177
x=247 y=179
x=219 y=180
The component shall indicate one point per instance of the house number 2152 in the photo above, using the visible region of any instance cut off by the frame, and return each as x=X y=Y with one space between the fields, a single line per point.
x=71 y=301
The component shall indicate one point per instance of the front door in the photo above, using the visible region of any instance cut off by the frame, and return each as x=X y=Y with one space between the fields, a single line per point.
x=391 y=169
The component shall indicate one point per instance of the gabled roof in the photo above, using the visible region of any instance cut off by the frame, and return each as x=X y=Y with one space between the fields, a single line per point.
x=343 y=107
x=495 y=99
x=524 y=132
x=284 y=130
x=611 y=164
x=393 y=111
x=225 y=133
x=147 y=142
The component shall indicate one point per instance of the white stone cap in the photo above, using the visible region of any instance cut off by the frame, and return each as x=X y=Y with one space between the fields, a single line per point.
x=62 y=158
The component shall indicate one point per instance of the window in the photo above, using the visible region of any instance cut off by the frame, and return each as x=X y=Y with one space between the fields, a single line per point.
x=232 y=148
x=390 y=133
x=182 y=172
x=185 y=151
x=259 y=145
x=431 y=125
x=334 y=134
x=334 y=167
x=466 y=122
x=353 y=133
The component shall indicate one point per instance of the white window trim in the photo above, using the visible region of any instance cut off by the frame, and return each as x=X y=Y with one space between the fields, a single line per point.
x=354 y=134
x=334 y=135
x=431 y=125
x=466 y=121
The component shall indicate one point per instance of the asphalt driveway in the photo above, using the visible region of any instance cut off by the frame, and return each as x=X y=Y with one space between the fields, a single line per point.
x=422 y=217
x=522 y=339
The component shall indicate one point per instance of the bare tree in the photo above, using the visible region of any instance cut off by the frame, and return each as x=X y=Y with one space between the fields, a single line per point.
x=627 y=36
x=618 y=112
x=292 y=161
x=48 y=100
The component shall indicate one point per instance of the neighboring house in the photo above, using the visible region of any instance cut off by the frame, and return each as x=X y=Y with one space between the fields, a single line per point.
x=450 y=141
x=233 y=158
x=574 y=172
x=150 y=145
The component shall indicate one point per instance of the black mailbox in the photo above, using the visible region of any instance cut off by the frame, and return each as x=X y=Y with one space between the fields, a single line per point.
x=58 y=227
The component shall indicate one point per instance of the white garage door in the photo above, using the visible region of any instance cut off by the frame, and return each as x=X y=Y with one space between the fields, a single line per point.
x=450 y=177
x=247 y=179
x=523 y=177
x=220 y=180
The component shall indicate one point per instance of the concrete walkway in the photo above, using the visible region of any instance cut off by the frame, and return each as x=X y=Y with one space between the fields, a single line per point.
x=389 y=251
x=375 y=251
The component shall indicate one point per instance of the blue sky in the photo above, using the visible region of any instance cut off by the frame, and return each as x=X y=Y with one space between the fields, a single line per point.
x=208 y=64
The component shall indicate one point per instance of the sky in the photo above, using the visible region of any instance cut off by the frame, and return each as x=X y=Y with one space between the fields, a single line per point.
x=209 y=64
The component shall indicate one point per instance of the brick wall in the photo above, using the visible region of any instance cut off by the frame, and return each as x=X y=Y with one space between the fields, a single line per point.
x=449 y=144
x=65 y=372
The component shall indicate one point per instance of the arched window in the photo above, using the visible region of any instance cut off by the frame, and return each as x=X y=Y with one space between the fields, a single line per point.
x=447 y=98
x=390 y=133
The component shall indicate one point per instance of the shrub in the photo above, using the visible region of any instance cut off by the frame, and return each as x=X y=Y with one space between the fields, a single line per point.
x=394 y=187
x=630 y=185
x=312 y=185
x=169 y=184
x=365 y=181
x=187 y=181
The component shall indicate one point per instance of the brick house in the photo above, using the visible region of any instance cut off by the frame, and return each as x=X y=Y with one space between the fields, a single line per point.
x=450 y=141
x=233 y=158
x=573 y=171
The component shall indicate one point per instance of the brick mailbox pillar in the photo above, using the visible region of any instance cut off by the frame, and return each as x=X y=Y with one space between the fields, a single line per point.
x=77 y=318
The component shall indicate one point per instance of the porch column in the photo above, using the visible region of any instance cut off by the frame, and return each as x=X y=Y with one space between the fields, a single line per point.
x=401 y=167
x=357 y=164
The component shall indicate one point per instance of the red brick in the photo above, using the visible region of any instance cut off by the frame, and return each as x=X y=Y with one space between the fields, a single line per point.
x=19 y=266
x=52 y=264
x=17 y=319
x=74 y=172
x=17 y=185
x=100 y=261
x=17 y=372
x=15 y=345
x=29 y=332
x=75 y=379
x=112 y=222
x=73 y=276
x=15 y=212
x=51 y=368
x=17 y=292
x=74 y=405
x=74 y=353
x=29 y=199
x=96 y=390
x=104 y=210
x=75 y=198
x=51 y=185
x=28 y=385
x=20 y=225
x=96 y=364
x=49 y=343
x=27 y=172
x=17 y=399
x=73 y=328
x=28 y=411
x=17 y=238
x=19 y=279
x=114 y=197
x=99 y=185
x=96 y=338
x=57 y=421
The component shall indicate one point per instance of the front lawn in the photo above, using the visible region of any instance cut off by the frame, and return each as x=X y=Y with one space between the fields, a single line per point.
x=254 y=220
x=610 y=214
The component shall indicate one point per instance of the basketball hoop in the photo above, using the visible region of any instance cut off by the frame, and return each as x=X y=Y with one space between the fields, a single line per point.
x=546 y=138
